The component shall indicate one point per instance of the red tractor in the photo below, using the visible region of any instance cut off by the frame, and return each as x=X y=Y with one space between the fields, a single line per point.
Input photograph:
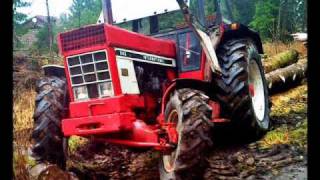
x=179 y=68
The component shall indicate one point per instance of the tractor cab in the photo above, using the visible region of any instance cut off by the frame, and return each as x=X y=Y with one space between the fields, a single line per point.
x=164 y=20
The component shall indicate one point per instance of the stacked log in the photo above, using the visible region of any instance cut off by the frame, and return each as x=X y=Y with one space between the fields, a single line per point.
x=284 y=70
x=280 y=60
x=288 y=76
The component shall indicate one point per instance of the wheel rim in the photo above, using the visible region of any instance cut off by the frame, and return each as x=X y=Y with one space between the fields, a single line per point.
x=256 y=90
x=168 y=160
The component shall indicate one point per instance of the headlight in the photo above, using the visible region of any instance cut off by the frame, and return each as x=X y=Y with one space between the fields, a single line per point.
x=105 y=89
x=80 y=92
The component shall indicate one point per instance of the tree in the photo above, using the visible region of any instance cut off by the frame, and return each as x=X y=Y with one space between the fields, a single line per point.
x=276 y=20
x=50 y=34
x=43 y=40
x=265 y=18
x=84 y=12
x=243 y=11
x=18 y=18
x=300 y=17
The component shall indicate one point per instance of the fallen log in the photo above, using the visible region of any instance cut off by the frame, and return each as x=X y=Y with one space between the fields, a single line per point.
x=286 y=77
x=280 y=60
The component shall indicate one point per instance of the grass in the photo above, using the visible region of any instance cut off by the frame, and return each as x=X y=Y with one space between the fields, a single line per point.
x=277 y=136
x=299 y=135
x=19 y=165
x=76 y=141
x=287 y=135
x=273 y=48
x=23 y=108
x=289 y=105
x=290 y=102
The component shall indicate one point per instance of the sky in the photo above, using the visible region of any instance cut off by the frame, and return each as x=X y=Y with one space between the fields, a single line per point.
x=132 y=9
x=125 y=9
x=38 y=7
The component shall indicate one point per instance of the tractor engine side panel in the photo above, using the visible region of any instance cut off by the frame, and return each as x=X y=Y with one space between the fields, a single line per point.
x=146 y=75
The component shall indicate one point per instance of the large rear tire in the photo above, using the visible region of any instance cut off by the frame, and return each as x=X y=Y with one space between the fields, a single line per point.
x=189 y=109
x=47 y=136
x=242 y=90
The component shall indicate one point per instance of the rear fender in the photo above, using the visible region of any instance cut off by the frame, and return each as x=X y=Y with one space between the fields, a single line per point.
x=242 y=32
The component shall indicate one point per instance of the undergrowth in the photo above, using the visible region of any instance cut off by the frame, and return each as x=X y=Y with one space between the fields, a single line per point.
x=290 y=108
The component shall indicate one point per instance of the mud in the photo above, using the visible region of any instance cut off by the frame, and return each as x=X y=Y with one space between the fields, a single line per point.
x=231 y=158
x=107 y=161
x=250 y=162
x=224 y=162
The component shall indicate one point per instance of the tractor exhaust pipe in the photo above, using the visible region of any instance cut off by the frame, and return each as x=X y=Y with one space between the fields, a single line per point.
x=107 y=11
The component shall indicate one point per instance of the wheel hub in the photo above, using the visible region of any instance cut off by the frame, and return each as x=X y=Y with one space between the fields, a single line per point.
x=168 y=160
x=256 y=90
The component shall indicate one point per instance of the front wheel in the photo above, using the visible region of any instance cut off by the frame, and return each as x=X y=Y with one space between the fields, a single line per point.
x=189 y=110
x=47 y=135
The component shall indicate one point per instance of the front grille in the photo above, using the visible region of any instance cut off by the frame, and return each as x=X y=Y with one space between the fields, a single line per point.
x=88 y=70
x=82 y=38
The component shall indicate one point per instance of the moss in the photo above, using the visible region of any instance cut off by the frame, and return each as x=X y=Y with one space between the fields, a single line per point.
x=75 y=142
x=290 y=103
x=290 y=106
x=277 y=136
x=298 y=135
x=284 y=135
x=281 y=60
x=31 y=162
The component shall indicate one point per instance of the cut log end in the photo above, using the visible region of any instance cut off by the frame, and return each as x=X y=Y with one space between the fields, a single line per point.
x=286 y=77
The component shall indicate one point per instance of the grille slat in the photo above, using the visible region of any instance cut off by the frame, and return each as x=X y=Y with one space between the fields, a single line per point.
x=83 y=37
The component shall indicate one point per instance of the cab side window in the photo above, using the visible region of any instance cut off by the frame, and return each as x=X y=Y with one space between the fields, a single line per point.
x=189 y=52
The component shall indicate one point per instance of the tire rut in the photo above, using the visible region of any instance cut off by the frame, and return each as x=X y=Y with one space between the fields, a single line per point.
x=249 y=162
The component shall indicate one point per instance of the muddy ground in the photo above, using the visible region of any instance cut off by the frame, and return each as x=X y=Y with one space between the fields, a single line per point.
x=280 y=154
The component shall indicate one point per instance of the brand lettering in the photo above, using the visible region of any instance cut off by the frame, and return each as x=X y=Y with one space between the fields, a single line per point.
x=122 y=53
x=152 y=58
x=144 y=57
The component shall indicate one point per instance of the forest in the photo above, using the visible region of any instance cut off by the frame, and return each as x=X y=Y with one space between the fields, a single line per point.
x=275 y=20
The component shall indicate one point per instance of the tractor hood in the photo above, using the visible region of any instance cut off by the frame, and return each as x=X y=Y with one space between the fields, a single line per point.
x=73 y=41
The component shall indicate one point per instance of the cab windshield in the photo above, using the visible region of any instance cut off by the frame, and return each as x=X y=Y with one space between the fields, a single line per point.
x=153 y=16
x=155 y=24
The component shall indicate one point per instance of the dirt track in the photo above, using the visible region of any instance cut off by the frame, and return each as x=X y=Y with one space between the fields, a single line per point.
x=281 y=154
x=275 y=156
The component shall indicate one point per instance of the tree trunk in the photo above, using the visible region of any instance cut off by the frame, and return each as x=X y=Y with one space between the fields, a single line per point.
x=279 y=21
x=280 y=60
x=286 y=77
x=49 y=31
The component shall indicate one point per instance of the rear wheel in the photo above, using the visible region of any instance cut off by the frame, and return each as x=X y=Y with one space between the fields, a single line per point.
x=47 y=136
x=242 y=90
x=189 y=110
